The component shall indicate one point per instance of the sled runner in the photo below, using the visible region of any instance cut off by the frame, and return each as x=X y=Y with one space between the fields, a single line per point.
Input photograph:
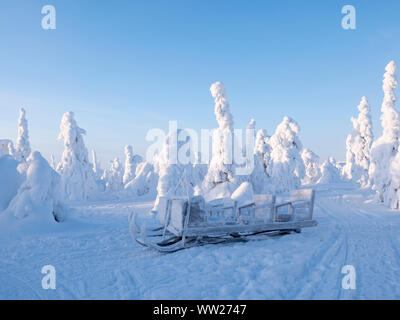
x=188 y=222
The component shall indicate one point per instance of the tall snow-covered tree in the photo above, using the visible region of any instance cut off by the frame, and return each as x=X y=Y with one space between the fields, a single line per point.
x=385 y=148
x=358 y=145
x=131 y=162
x=311 y=164
x=287 y=167
x=77 y=178
x=221 y=168
x=23 y=148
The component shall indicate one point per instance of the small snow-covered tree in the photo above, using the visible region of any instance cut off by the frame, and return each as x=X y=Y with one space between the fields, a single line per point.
x=131 y=162
x=358 y=145
x=262 y=157
x=145 y=181
x=171 y=171
x=221 y=168
x=77 y=178
x=6 y=147
x=392 y=194
x=23 y=148
x=311 y=164
x=114 y=176
x=40 y=194
x=330 y=172
x=11 y=149
x=10 y=180
x=287 y=167
x=385 y=148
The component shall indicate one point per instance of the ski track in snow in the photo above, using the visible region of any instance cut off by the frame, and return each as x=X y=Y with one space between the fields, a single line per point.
x=99 y=260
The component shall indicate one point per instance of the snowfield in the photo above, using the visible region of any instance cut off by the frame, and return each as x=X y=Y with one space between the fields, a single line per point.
x=95 y=257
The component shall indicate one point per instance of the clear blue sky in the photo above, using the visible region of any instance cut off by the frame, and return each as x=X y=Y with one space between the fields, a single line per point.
x=125 y=67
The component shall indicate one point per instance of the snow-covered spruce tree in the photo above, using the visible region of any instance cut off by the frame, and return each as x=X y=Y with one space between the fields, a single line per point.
x=385 y=148
x=114 y=176
x=77 y=178
x=330 y=173
x=311 y=164
x=39 y=195
x=11 y=150
x=6 y=147
x=23 y=148
x=287 y=167
x=221 y=168
x=131 y=162
x=358 y=145
x=262 y=156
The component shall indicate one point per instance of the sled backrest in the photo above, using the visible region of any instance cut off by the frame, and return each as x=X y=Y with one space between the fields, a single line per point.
x=302 y=195
x=176 y=214
x=303 y=203
x=162 y=207
x=222 y=210
x=262 y=208
x=260 y=199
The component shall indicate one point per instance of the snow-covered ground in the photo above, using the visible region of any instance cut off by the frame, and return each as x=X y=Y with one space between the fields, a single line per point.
x=95 y=258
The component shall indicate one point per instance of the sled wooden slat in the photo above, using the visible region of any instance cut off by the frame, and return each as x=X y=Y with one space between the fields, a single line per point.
x=254 y=228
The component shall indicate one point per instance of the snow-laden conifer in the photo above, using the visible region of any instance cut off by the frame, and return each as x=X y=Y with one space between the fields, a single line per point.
x=77 y=178
x=358 y=145
x=385 y=148
x=22 y=148
x=312 y=168
x=221 y=167
x=287 y=167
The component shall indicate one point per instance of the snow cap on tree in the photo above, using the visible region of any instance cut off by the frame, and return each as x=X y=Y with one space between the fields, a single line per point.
x=251 y=124
x=222 y=111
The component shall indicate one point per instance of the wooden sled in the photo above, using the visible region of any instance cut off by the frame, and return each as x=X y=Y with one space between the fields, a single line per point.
x=188 y=223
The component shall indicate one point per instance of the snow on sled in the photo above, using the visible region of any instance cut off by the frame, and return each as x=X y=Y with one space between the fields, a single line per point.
x=187 y=223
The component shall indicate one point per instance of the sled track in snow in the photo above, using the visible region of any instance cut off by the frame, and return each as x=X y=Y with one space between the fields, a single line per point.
x=318 y=268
